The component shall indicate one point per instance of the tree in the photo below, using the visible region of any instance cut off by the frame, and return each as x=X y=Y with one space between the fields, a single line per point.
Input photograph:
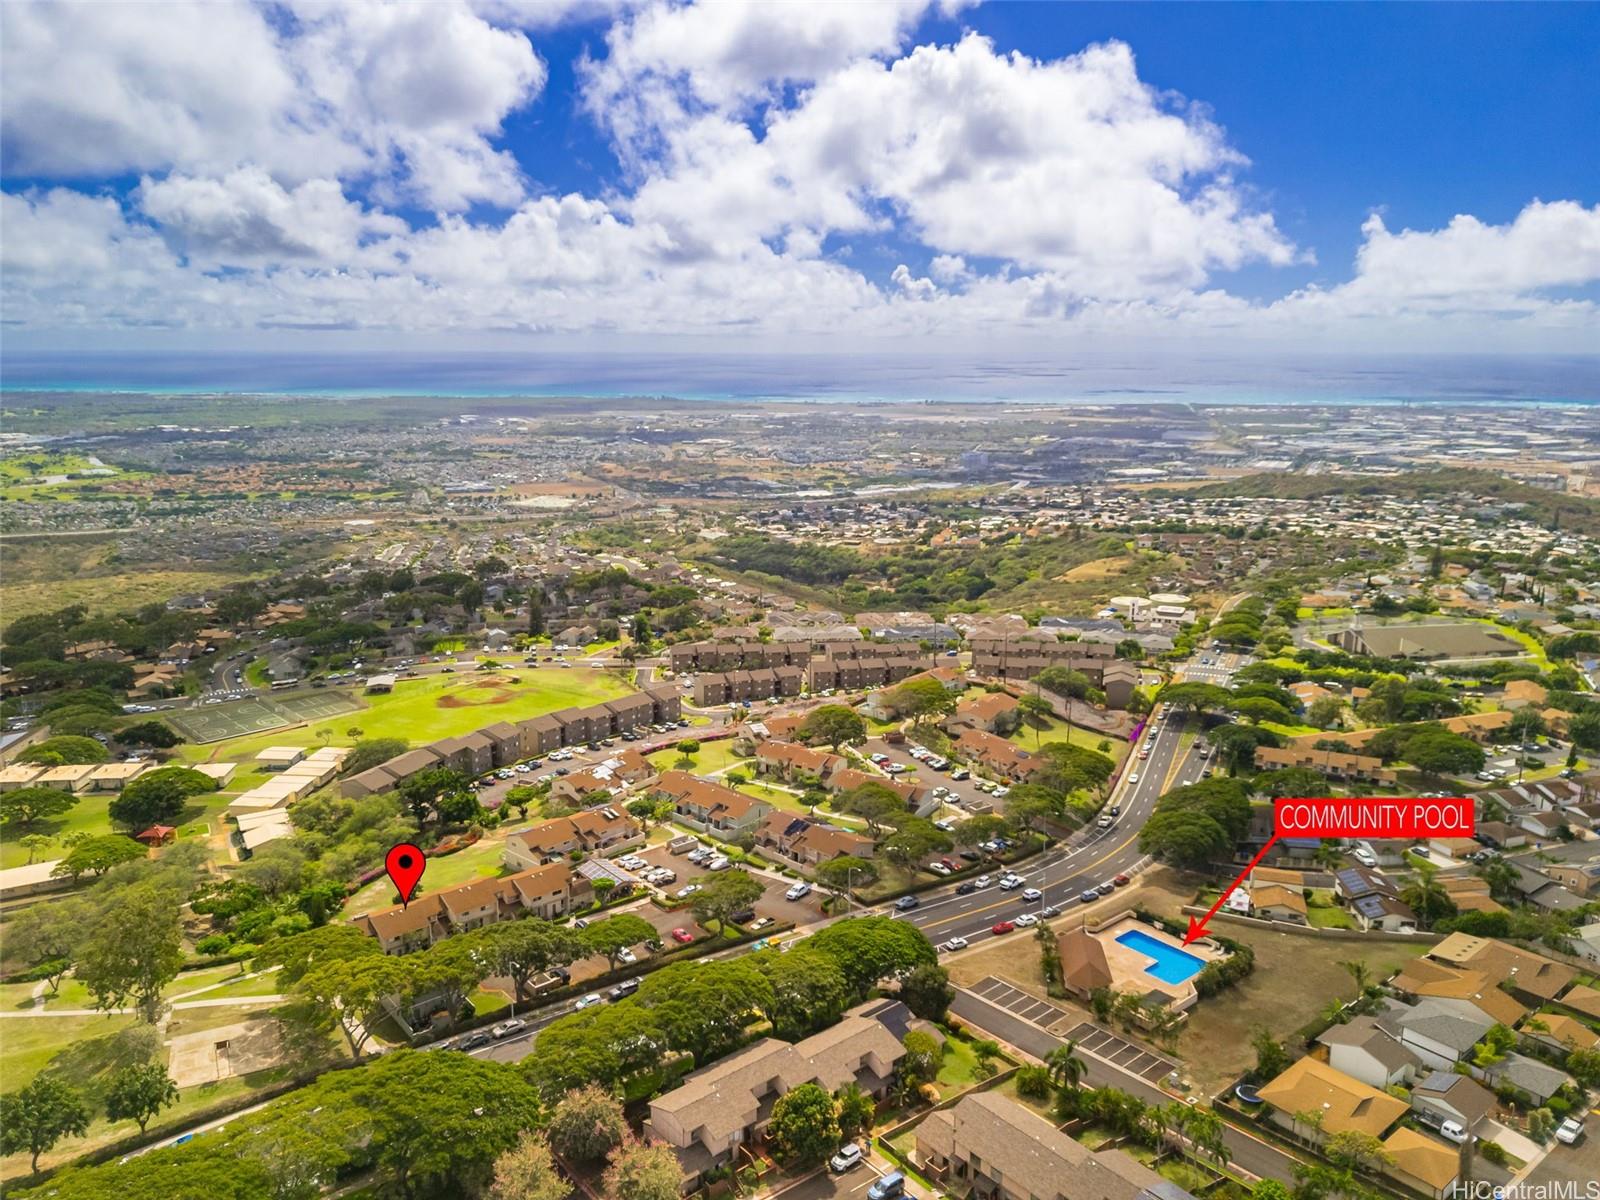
x=1584 y=1066
x=1038 y=711
x=156 y=797
x=980 y=830
x=838 y=875
x=1269 y=1189
x=924 y=1054
x=349 y=994
x=1356 y=1151
x=299 y=953
x=27 y=806
x=916 y=839
x=833 y=725
x=527 y=1172
x=1326 y=712
x=148 y=733
x=67 y=748
x=38 y=1116
x=370 y=752
x=587 y=1125
x=876 y=803
x=45 y=936
x=643 y=1171
x=721 y=897
x=1272 y=1058
x=420 y=792
x=613 y=935
x=523 y=950
x=1065 y=1066
x=601 y=1045
x=867 y=949
x=35 y=844
x=1438 y=754
x=1427 y=896
x=139 y=1093
x=805 y=1126
x=1360 y=973
x=920 y=699
x=856 y=1111
x=132 y=949
x=703 y=1007
x=808 y=992
x=927 y=992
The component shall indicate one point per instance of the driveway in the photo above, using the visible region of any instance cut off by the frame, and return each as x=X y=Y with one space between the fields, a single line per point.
x=852 y=1185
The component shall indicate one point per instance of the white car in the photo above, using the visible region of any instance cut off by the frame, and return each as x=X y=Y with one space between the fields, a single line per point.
x=1570 y=1131
x=627 y=956
x=1024 y=920
x=1032 y=894
x=1364 y=856
x=938 y=868
x=945 y=824
x=982 y=881
x=1010 y=883
x=848 y=1156
x=719 y=862
x=798 y=892
x=687 y=889
x=1134 y=778
x=1454 y=1131
x=589 y=1001
x=955 y=943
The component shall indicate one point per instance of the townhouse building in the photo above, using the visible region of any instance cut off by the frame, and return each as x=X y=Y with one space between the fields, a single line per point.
x=593 y=831
x=710 y=806
x=996 y=754
x=544 y=891
x=763 y=683
x=726 y=1105
x=808 y=841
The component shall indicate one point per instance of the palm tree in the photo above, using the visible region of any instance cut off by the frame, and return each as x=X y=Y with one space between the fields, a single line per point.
x=1361 y=973
x=1426 y=896
x=1065 y=1067
x=1207 y=1134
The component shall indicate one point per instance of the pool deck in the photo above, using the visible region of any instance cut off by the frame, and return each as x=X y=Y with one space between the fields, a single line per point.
x=1128 y=965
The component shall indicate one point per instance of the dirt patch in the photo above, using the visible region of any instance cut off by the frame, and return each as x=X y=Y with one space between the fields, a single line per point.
x=216 y=1054
x=1098 y=568
x=481 y=694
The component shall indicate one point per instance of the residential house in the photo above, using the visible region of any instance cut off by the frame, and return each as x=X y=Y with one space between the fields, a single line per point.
x=1422 y=1163
x=1366 y=1052
x=846 y=779
x=992 y=712
x=990 y=1147
x=1454 y=1098
x=1531 y=977
x=711 y=806
x=1559 y=1033
x=1438 y=1034
x=1334 y=764
x=544 y=891
x=729 y=1103
x=808 y=841
x=1470 y=894
x=1463 y=991
x=1346 y=1104
x=1271 y=902
x=1539 y=1080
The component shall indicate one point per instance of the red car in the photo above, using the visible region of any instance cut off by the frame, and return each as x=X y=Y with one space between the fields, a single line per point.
x=1002 y=927
x=682 y=935
x=1121 y=881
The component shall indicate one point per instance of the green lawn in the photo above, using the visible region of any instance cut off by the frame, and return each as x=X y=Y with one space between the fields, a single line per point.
x=424 y=710
x=1057 y=730
x=711 y=758
x=481 y=861
x=32 y=1043
x=90 y=815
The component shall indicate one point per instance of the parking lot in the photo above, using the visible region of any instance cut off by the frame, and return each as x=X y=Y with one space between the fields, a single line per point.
x=1030 y=1008
x=851 y=1185
x=1130 y=1057
x=772 y=904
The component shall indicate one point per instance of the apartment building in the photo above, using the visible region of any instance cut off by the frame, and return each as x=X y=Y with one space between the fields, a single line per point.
x=810 y=842
x=503 y=743
x=795 y=763
x=1335 y=764
x=764 y=683
x=726 y=654
x=544 y=891
x=996 y=754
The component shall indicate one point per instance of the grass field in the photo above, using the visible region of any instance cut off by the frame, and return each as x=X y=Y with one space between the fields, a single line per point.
x=90 y=815
x=481 y=861
x=423 y=710
x=711 y=757
x=1057 y=730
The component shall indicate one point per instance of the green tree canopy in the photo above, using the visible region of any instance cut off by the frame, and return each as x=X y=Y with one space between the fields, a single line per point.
x=805 y=1126
x=25 y=807
x=138 y=1093
x=34 y=1118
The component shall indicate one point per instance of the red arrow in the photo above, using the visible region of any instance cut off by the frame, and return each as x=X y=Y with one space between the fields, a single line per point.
x=1197 y=928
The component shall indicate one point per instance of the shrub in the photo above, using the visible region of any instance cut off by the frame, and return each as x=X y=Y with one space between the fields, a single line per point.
x=1033 y=1083
x=216 y=943
x=1494 y=1152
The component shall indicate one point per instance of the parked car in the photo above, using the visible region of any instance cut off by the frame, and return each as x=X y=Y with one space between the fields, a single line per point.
x=939 y=868
x=1364 y=856
x=506 y=1028
x=891 y=1185
x=1454 y=1131
x=473 y=1041
x=589 y=1001
x=626 y=988
x=1121 y=880
x=1570 y=1131
x=682 y=936
x=1089 y=895
x=798 y=892
x=848 y=1156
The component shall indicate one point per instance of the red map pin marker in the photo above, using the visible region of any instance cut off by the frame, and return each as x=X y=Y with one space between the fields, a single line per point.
x=405 y=865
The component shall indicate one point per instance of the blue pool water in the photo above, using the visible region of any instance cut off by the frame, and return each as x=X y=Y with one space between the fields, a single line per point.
x=1171 y=964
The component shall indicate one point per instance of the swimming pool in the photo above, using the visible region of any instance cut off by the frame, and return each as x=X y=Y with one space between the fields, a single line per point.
x=1171 y=964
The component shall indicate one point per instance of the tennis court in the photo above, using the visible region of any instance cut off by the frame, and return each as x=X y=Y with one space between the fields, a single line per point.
x=241 y=718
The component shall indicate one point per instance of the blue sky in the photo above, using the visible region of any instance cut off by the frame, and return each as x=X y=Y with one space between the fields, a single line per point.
x=876 y=177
